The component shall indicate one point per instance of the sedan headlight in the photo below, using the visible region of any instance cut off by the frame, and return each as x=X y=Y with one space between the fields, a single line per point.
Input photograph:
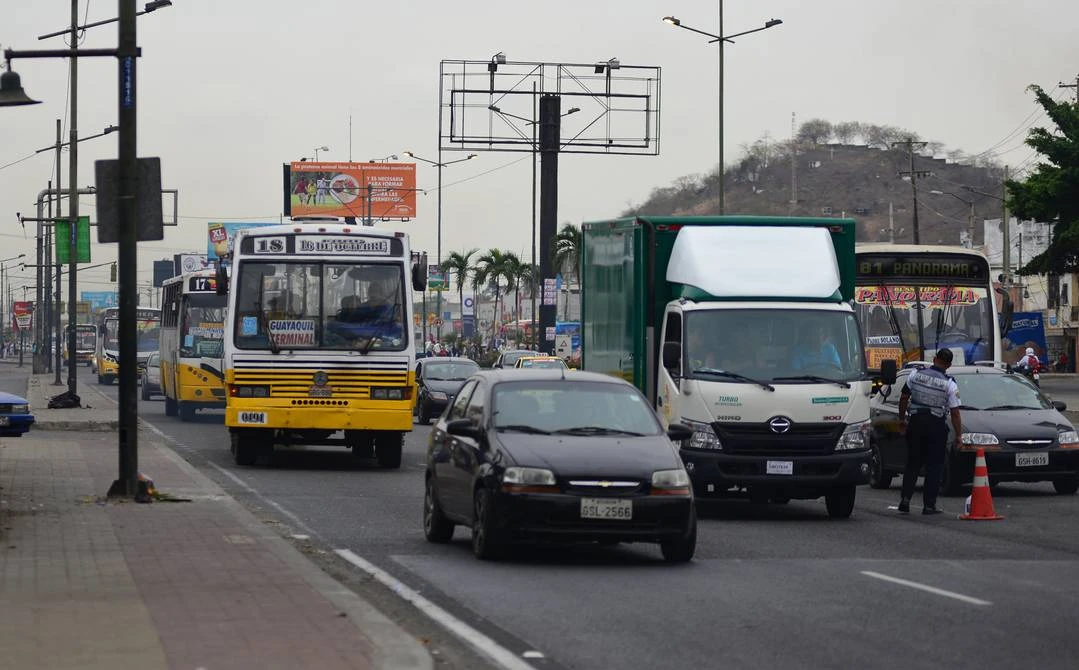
x=855 y=437
x=1068 y=439
x=704 y=436
x=979 y=439
x=437 y=395
x=670 y=483
x=528 y=480
x=25 y=409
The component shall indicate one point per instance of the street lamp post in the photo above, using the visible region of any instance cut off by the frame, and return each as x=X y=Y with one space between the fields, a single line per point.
x=721 y=38
x=4 y=305
x=318 y=149
x=970 y=219
x=438 y=250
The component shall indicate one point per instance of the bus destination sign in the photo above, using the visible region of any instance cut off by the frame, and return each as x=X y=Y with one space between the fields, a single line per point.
x=889 y=267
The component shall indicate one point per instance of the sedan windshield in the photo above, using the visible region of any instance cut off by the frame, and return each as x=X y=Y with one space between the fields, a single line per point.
x=999 y=392
x=455 y=371
x=582 y=408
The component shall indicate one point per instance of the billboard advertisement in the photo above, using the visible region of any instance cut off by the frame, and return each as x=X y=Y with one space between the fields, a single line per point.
x=99 y=300
x=189 y=263
x=24 y=315
x=1028 y=330
x=361 y=190
x=220 y=236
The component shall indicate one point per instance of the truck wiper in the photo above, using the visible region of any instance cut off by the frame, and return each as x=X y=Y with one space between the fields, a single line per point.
x=734 y=375
x=813 y=378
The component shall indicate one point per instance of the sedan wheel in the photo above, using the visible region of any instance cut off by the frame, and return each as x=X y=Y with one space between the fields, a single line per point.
x=145 y=391
x=949 y=484
x=436 y=527
x=1067 y=486
x=485 y=544
x=878 y=477
x=681 y=549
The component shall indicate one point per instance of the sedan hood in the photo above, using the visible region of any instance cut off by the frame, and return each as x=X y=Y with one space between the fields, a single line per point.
x=592 y=455
x=1015 y=424
x=11 y=399
x=450 y=387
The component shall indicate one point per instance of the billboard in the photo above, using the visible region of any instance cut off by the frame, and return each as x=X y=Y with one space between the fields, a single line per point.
x=1027 y=330
x=360 y=190
x=189 y=263
x=24 y=315
x=437 y=279
x=99 y=300
x=220 y=236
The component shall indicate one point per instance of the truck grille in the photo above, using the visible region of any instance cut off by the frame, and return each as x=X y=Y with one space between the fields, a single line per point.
x=758 y=439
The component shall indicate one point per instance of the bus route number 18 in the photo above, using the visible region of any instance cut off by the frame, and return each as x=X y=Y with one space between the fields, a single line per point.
x=269 y=245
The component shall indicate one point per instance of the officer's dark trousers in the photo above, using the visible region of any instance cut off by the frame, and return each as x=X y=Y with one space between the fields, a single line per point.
x=927 y=437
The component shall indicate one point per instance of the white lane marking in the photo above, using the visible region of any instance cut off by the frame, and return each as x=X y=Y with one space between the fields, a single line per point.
x=926 y=588
x=502 y=657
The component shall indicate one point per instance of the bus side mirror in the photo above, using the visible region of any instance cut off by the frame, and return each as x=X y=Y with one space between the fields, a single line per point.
x=888 y=371
x=222 y=281
x=419 y=272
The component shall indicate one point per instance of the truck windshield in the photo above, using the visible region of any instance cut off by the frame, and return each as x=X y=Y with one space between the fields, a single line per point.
x=770 y=345
x=320 y=305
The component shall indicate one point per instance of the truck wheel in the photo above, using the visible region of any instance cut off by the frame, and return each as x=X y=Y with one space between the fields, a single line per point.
x=170 y=407
x=1067 y=486
x=187 y=411
x=388 y=447
x=879 y=478
x=840 y=501
x=245 y=448
x=680 y=549
x=436 y=527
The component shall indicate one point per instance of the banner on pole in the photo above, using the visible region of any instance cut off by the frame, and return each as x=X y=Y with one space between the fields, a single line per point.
x=62 y=228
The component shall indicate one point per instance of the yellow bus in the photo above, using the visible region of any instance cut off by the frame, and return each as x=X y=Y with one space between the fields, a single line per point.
x=192 y=332
x=107 y=355
x=85 y=344
x=318 y=339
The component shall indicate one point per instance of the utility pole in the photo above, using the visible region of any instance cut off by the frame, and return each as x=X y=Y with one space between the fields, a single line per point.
x=794 y=168
x=1075 y=86
x=891 y=224
x=1006 y=233
x=909 y=143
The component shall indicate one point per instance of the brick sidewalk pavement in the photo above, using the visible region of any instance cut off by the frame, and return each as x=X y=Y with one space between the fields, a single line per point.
x=89 y=583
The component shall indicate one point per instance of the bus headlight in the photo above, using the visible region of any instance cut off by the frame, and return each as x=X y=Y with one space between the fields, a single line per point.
x=391 y=392
x=250 y=391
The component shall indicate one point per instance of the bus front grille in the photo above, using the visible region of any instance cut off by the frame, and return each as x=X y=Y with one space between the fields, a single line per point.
x=301 y=384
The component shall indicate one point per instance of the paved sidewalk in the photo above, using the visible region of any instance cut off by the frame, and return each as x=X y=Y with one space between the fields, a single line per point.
x=91 y=583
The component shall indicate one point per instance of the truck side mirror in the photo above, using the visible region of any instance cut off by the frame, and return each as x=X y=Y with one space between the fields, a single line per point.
x=672 y=357
x=888 y=371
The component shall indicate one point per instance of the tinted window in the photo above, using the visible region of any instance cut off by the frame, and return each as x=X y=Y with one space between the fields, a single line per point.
x=449 y=370
x=458 y=409
x=999 y=391
x=559 y=405
x=474 y=411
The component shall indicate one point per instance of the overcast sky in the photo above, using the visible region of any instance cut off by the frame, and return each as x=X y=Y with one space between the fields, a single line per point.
x=228 y=91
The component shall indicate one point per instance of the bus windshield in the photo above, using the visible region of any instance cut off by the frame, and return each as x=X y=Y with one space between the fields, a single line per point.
x=202 y=326
x=85 y=338
x=148 y=333
x=905 y=321
x=320 y=305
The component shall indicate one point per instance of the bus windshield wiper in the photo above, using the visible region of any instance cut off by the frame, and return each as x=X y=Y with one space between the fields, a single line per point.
x=734 y=375
x=813 y=378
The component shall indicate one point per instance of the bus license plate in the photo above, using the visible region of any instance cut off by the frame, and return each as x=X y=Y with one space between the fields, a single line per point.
x=779 y=468
x=606 y=508
x=252 y=417
x=1027 y=460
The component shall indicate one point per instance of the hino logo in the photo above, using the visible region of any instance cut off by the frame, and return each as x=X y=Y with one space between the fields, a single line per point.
x=780 y=424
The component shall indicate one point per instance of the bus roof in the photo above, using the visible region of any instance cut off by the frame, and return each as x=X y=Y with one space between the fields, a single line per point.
x=886 y=248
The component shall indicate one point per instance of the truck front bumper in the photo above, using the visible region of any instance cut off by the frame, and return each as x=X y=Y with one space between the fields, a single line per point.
x=714 y=472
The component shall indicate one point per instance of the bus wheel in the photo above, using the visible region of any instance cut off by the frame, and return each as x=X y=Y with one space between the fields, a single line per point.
x=170 y=406
x=187 y=411
x=388 y=449
x=245 y=447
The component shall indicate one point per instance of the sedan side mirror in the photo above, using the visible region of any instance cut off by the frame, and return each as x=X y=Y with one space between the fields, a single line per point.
x=463 y=428
x=1060 y=406
x=678 y=432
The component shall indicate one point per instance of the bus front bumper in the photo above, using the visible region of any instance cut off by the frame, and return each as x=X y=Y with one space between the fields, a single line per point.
x=371 y=415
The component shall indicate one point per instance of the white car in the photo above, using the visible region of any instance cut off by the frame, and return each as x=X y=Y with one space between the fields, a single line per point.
x=151 y=377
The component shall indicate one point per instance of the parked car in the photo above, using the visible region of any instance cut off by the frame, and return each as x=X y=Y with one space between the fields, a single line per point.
x=15 y=416
x=540 y=363
x=1024 y=434
x=151 y=377
x=536 y=454
x=507 y=359
x=437 y=382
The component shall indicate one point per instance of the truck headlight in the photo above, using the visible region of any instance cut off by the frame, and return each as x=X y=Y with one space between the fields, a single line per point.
x=704 y=436
x=855 y=437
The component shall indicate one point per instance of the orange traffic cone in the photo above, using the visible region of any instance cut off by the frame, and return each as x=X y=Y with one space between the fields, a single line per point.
x=981 y=501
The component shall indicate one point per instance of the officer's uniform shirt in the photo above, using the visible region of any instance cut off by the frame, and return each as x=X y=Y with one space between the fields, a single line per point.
x=932 y=391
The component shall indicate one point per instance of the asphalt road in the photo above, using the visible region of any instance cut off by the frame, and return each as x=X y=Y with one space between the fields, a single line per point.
x=771 y=586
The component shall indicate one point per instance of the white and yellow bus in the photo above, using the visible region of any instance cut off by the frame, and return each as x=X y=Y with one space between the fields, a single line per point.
x=107 y=355
x=318 y=339
x=192 y=341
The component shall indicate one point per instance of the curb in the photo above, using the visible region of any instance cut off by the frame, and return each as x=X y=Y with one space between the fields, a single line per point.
x=394 y=648
x=75 y=425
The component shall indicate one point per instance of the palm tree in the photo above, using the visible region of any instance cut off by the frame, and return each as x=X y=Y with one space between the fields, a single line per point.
x=491 y=268
x=566 y=256
x=460 y=265
x=529 y=275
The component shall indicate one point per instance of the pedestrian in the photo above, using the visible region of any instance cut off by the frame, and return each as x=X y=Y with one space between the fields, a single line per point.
x=930 y=395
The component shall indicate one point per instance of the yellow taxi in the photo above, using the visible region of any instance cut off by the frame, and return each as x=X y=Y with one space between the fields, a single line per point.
x=541 y=363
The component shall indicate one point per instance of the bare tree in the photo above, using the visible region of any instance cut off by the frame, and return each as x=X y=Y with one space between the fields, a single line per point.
x=845 y=131
x=815 y=131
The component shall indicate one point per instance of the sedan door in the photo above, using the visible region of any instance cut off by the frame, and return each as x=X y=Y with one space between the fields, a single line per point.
x=466 y=453
x=891 y=442
x=443 y=448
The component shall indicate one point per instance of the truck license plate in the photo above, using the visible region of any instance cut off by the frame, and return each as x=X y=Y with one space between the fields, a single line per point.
x=779 y=468
x=1027 y=460
x=606 y=508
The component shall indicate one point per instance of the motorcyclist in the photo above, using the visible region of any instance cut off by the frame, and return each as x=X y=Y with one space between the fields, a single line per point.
x=1029 y=365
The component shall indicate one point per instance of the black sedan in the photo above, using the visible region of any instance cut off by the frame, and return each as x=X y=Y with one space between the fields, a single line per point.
x=507 y=359
x=1023 y=433
x=544 y=455
x=437 y=381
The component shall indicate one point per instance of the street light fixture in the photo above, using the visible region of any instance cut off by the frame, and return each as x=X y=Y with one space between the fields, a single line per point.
x=440 y=164
x=391 y=157
x=318 y=149
x=147 y=8
x=11 y=92
x=721 y=38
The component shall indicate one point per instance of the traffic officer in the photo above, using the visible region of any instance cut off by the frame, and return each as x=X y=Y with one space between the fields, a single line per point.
x=930 y=394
